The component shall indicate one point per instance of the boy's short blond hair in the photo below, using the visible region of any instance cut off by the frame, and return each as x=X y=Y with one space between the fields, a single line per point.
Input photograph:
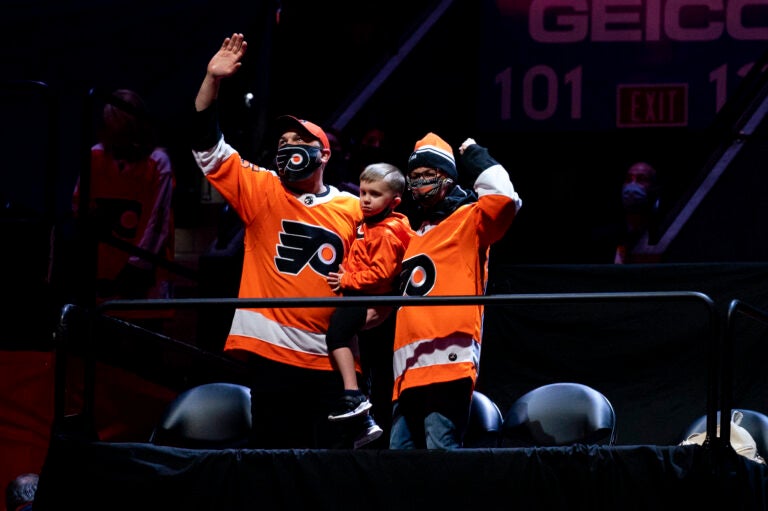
x=391 y=175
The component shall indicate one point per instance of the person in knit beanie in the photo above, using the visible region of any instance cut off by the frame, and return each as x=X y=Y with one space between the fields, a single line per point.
x=432 y=152
x=437 y=348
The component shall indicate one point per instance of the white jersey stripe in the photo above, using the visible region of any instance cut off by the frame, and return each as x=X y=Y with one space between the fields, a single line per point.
x=429 y=352
x=209 y=160
x=248 y=323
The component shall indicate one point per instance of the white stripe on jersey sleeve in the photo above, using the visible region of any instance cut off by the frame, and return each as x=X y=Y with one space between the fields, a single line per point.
x=211 y=159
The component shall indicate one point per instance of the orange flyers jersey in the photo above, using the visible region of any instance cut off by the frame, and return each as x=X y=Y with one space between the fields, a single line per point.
x=132 y=201
x=291 y=242
x=376 y=257
x=436 y=344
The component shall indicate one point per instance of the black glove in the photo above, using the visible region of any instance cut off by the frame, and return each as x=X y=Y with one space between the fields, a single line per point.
x=476 y=159
x=204 y=129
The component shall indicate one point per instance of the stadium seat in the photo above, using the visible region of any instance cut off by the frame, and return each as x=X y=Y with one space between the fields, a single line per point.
x=559 y=414
x=209 y=416
x=485 y=421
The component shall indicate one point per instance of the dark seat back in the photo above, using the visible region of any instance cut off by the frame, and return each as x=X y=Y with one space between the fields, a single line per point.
x=485 y=421
x=208 y=416
x=559 y=414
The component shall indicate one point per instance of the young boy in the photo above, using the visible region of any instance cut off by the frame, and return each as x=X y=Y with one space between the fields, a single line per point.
x=374 y=261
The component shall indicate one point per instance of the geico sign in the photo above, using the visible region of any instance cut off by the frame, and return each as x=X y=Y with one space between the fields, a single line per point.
x=569 y=21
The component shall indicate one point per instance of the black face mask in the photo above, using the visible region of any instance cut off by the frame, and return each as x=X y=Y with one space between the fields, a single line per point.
x=428 y=188
x=454 y=198
x=297 y=162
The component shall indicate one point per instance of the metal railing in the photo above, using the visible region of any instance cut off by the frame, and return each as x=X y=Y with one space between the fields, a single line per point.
x=713 y=334
x=736 y=309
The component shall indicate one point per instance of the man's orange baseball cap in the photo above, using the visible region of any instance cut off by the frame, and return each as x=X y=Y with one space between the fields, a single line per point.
x=291 y=123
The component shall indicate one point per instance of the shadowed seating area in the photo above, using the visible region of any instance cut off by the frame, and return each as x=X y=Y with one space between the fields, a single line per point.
x=132 y=476
x=655 y=375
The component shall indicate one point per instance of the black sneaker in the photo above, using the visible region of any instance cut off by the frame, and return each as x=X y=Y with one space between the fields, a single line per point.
x=371 y=431
x=350 y=406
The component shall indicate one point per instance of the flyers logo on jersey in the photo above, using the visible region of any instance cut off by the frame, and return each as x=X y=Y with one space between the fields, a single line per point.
x=419 y=275
x=302 y=244
x=120 y=217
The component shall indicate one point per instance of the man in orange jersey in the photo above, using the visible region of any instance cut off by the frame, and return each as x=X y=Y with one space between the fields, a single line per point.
x=297 y=231
x=437 y=348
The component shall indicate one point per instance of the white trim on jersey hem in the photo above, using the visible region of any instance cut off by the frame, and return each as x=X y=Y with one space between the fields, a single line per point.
x=431 y=352
x=248 y=323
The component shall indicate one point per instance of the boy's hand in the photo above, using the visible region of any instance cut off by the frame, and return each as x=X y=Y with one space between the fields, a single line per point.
x=334 y=279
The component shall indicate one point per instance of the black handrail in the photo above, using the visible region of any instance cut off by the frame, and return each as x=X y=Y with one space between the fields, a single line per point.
x=726 y=393
x=495 y=299
x=714 y=348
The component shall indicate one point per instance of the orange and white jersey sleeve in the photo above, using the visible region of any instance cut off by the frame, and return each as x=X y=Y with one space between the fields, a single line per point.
x=436 y=344
x=291 y=243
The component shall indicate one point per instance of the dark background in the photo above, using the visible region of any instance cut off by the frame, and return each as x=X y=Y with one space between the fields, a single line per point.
x=314 y=59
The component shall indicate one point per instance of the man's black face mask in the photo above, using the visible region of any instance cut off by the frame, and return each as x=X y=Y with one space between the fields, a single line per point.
x=297 y=162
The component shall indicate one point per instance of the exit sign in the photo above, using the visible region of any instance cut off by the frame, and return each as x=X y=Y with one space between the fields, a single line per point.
x=651 y=105
x=584 y=65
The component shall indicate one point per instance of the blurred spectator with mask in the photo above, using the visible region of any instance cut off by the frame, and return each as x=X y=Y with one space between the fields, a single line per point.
x=640 y=202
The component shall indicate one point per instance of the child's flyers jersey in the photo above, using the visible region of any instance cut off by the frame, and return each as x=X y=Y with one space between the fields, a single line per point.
x=376 y=257
x=291 y=244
